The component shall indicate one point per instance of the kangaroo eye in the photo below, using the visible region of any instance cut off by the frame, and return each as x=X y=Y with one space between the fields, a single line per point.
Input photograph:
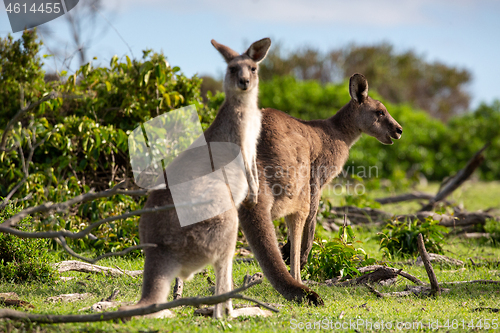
x=233 y=70
x=254 y=69
x=379 y=113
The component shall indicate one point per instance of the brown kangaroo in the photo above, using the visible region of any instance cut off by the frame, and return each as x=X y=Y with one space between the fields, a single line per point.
x=181 y=251
x=296 y=159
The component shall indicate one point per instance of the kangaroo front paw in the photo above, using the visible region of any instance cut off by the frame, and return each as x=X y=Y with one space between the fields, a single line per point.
x=250 y=201
x=313 y=298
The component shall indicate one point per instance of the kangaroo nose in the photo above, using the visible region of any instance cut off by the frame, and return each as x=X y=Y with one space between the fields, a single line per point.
x=399 y=131
x=245 y=81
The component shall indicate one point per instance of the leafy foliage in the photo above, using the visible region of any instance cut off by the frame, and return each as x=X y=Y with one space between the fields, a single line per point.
x=86 y=130
x=399 y=238
x=336 y=257
x=403 y=77
x=24 y=260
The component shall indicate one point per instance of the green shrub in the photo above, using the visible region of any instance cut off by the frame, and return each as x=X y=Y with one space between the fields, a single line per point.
x=399 y=238
x=24 y=260
x=336 y=257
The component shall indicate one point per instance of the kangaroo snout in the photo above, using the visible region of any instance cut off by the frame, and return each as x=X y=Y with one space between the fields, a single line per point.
x=243 y=83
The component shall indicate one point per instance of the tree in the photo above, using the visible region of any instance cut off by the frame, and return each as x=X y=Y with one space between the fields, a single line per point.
x=404 y=77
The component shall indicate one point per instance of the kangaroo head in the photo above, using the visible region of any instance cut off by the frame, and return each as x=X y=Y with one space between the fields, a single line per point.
x=371 y=115
x=241 y=74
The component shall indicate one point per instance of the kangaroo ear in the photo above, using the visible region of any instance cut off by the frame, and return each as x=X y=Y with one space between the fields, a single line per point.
x=358 y=87
x=258 y=50
x=226 y=52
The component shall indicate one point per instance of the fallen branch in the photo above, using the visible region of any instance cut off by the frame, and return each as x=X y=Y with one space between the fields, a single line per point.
x=473 y=282
x=178 y=288
x=380 y=274
x=440 y=259
x=78 y=266
x=453 y=183
x=417 y=291
x=191 y=301
x=62 y=241
x=435 y=290
x=406 y=197
x=399 y=271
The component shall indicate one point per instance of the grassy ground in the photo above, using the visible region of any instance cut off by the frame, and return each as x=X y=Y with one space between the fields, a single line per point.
x=346 y=309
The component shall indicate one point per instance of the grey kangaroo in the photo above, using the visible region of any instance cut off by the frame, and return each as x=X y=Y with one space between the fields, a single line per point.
x=296 y=159
x=182 y=251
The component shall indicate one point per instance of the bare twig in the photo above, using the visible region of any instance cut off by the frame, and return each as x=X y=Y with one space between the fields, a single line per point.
x=75 y=235
x=458 y=179
x=428 y=267
x=373 y=290
x=406 y=197
x=191 y=301
x=62 y=241
x=78 y=266
x=398 y=271
x=178 y=288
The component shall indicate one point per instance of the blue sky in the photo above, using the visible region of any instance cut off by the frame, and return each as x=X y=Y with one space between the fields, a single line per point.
x=460 y=33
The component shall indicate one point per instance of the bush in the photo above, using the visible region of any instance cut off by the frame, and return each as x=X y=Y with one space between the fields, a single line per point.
x=24 y=260
x=399 y=238
x=87 y=132
x=337 y=257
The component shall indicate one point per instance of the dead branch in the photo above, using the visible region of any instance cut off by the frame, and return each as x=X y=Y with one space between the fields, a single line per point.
x=399 y=271
x=62 y=241
x=191 y=301
x=78 y=266
x=405 y=197
x=178 y=288
x=417 y=291
x=440 y=259
x=473 y=282
x=63 y=206
x=361 y=215
x=75 y=235
x=455 y=182
x=435 y=290
x=379 y=274
x=375 y=291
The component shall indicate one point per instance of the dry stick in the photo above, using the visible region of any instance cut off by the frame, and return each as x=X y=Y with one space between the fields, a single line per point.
x=78 y=266
x=410 y=277
x=373 y=290
x=62 y=241
x=86 y=231
x=63 y=206
x=191 y=301
x=458 y=179
x=178 y=288
x=435 y=290
x=473 y=281
x=405 y=197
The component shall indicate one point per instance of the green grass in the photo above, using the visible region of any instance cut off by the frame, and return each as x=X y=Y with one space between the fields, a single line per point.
x=342 y=305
